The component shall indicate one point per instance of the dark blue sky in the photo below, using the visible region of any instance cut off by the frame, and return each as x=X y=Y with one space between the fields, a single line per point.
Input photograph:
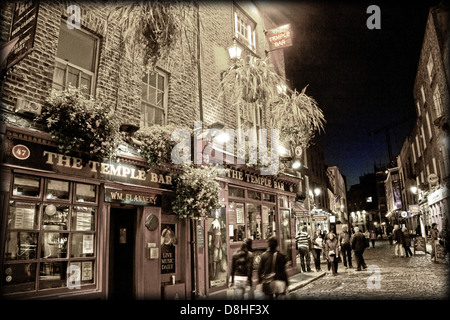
x=362 y=79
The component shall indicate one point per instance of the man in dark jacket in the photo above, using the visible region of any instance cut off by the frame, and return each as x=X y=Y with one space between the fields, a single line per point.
x=398 y=241
x=344 y=243
x=265 y=266
x=242 y=270
x=359 y=244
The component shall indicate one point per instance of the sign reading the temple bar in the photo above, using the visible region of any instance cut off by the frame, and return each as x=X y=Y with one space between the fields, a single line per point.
x=129 y=197
x=265 y=181
x=279 y=37
x=24 y=27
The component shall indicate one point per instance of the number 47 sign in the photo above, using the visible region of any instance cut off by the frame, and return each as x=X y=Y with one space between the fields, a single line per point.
x=21 y=152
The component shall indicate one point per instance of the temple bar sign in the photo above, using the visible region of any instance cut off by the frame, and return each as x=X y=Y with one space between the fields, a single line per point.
x=280 y=37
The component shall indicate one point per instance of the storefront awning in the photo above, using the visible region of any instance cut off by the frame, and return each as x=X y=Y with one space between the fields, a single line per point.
x=299 y=208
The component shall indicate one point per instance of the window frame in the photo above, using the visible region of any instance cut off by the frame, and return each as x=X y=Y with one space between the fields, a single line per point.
x=165 y=75
x=39 y=261
x=246 y=201
x=67 y=64
x=240 y=17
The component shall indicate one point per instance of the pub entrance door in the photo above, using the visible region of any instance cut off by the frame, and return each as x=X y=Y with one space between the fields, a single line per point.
x=122 y=248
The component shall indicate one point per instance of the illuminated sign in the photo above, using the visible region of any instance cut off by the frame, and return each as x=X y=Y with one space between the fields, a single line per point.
x=280 y=37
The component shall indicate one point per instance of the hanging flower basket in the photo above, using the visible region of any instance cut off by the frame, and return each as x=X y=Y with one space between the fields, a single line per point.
x=79 y=123
x=298 y=118
x=152 y=29
x=252 y=80
x=155 y=143
x=197 y=192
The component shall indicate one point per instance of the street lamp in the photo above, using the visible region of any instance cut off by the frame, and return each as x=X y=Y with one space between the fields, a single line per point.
x=234 y=51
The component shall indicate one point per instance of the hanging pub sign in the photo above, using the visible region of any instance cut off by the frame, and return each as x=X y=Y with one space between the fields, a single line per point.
x=280 y=37
x=24 y=28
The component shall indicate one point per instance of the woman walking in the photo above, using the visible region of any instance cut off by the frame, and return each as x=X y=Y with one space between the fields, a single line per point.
x=317 y=248
x=332 y=252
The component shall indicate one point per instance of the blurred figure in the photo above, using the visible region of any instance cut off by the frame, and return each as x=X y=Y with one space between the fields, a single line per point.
x=406 y=242
x=359 y=244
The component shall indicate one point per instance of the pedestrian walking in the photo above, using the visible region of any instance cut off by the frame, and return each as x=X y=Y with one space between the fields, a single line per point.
x=345 y=247
x=367 y=235
x=317 y=243
x=272 y=267
x=399 y=239
x=359 y=244
x=390 y=234
x=434 y=237
x=304 y=244
x=406 y=242
x=241 y=271
x=332 y=252
x=373 y=237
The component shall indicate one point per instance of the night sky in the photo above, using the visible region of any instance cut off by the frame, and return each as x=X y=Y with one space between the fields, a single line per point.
x=362 y=79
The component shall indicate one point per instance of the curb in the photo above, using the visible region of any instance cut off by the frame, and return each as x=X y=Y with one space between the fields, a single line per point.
x=304 y=283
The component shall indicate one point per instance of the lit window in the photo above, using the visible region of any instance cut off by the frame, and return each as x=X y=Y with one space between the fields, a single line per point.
x=75 y=60
x=244 y=29
x=437 y=102
x=430 y=66
x=154 y=90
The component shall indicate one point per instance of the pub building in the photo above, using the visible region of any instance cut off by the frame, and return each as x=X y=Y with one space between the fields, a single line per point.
x=83 y=228
x=75 y=227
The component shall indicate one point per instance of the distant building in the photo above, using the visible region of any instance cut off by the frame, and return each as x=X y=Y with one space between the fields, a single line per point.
x=424 y=162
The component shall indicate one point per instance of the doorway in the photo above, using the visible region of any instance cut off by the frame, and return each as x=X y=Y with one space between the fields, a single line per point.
x=122 y=247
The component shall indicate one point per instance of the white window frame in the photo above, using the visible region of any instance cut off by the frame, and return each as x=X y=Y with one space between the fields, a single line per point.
x=437 y=101
x=430 y=130
x=243 y=22
x=423 y=94
x=146 y=104
x=418 y=109
x=430 y=66
x=91 y=74
x=419 y=152
x=423 y=137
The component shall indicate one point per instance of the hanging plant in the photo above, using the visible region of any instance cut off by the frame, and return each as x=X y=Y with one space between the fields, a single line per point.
x=152 y=29
x=298 y=117
x=80 y=123
x=252 y=80
x=197 y=192
x=155 y=143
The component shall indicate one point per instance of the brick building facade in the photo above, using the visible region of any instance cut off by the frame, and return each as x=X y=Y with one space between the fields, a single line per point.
x=64 y=223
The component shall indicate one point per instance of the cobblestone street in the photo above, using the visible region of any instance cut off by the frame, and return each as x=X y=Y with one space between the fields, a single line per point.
x=387 y=277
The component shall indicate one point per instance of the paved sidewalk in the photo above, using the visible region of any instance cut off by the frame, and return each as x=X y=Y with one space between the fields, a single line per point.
x=296 y=281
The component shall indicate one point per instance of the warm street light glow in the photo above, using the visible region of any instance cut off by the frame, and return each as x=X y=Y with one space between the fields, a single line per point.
x=234 y=51
x=296 y=164
x=414 y=189
x=317 y=191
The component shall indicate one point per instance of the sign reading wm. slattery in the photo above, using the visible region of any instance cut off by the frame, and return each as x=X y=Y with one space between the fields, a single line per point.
x=24 y=28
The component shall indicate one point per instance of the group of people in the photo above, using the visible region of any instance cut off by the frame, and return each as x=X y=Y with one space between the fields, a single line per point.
x=335 y=248
x=271 y=271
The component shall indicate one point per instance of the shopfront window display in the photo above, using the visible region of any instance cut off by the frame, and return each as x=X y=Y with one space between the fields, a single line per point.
x=217 y=246
x=47 y=232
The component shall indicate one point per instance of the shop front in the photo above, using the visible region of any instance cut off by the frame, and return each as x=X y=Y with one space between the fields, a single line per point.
x=73 y=227
x=255 y=207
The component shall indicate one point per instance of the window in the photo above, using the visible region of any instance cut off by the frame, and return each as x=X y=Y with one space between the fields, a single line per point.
x=76 y=59
x=244 y=29
x=418 y=108
x=252 y=216
x=437 y=102
x=419 y=153
x=423 y=94
x=430 y=66
x=430 y=132
x=50 y=236
x=154 y=90
x=424 y=140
